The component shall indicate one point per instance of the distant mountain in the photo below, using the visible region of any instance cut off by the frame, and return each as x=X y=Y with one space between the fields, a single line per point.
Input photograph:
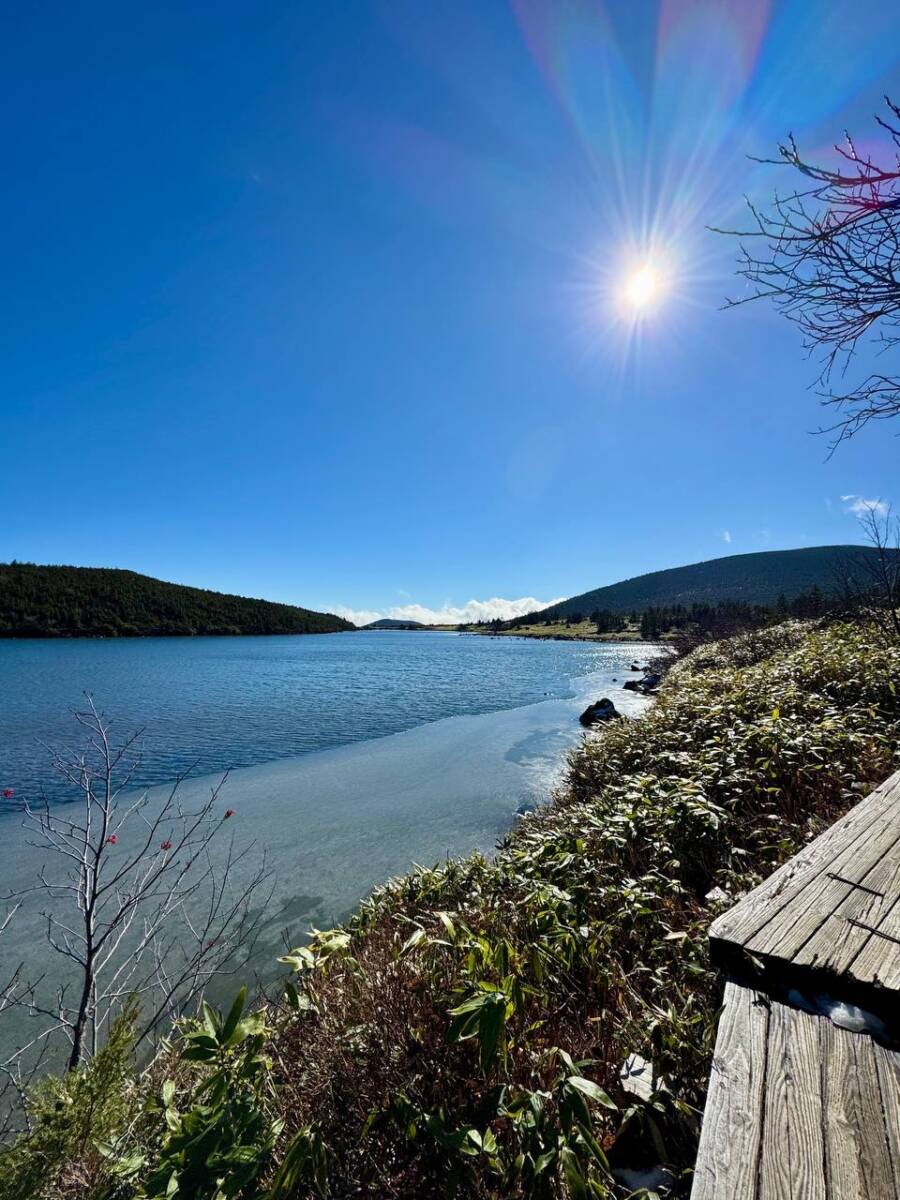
x=37 y=601
x=752 y=578
x=390 y=623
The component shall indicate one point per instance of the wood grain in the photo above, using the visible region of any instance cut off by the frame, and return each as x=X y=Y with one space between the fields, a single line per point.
x=820 y=909
x=732 y=1129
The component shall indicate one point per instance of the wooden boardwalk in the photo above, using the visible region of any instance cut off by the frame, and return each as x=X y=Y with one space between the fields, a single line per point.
x=804 y=1096
x=834 y=909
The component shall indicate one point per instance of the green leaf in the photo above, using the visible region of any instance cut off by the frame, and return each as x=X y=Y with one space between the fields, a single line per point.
x=198 y=1054
x=129 y=1165
x=566 y=1059
x=545 y=1160
x=211 y=1020
x=415 y=939
x=299 y=959
x=448 y=925
x=234 y=1015
x=592 y=1091
x=575 y=1180
x=473 y=1004
x=490 y=1029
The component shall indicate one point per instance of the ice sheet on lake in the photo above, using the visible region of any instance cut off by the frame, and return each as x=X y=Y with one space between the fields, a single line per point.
x=338 y=823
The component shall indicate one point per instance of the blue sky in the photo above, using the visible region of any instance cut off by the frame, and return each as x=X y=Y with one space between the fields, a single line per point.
x=322 y=301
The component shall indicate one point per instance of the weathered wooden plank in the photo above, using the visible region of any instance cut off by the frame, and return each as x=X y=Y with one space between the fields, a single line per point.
x=732 y=1128
x=821 y=893
x=793 y=1145
x=879 y=959
x=807 y=1135
x=857 y=1157
x=831 y=850
x=887 y=1066
x=831 y=931
x=775 y=1159
x=797 y=1109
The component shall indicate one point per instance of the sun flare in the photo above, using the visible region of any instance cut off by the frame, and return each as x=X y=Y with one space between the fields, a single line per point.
x=642 y=288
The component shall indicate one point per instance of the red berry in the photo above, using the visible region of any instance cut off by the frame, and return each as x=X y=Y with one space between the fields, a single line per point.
x=166 y=845
x=112 y=839
x=229 y=812
x=8 y=793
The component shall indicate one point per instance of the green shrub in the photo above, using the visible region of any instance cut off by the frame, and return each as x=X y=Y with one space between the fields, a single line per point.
x=72 y=1122
x=216 y=1135
x=216 y=1131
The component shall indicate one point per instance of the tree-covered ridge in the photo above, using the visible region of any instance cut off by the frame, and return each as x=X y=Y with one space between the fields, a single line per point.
x=50 y=601
x=392 y=623
x=756 y=579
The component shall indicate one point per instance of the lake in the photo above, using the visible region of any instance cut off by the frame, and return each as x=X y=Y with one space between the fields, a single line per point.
x=352 y=755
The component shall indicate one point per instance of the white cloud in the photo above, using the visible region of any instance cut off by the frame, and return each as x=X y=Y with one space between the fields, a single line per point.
x=449 y=614
x=358 y=616
x=726 y=536
x=859 y=506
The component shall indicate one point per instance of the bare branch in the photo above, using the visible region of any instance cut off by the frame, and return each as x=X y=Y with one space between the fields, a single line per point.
x=142 y=902
x=828 y=257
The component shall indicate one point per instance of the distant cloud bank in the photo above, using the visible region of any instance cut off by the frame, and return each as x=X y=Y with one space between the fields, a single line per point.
x=475 y=610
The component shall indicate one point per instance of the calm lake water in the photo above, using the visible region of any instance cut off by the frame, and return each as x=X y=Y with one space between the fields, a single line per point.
x=352 y=756
x=216 y=703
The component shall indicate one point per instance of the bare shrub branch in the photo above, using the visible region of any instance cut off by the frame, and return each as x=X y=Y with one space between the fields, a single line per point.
x=871 y=582
x=141 y=897
x=827 y=255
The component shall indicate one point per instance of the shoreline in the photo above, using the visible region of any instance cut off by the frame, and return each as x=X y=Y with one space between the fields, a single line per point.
x=352 y=818
x=584 y=630
x=609 y=639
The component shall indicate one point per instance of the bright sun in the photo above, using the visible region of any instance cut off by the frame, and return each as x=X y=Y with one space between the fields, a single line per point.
x=642 y=288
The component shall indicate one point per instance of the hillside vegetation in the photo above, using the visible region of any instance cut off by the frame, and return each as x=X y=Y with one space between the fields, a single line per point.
x=463 y=1034
x=39 y=601
x=762 y=579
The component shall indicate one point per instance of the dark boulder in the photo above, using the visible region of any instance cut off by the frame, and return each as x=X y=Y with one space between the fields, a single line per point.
x=645 y=686
x=599 y=711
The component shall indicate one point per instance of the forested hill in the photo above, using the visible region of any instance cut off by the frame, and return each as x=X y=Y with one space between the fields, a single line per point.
x=392 y=623
x=749 y=578
x=38 y=601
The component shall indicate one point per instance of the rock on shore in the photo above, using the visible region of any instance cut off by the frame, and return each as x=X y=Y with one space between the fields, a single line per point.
x=599 y=711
